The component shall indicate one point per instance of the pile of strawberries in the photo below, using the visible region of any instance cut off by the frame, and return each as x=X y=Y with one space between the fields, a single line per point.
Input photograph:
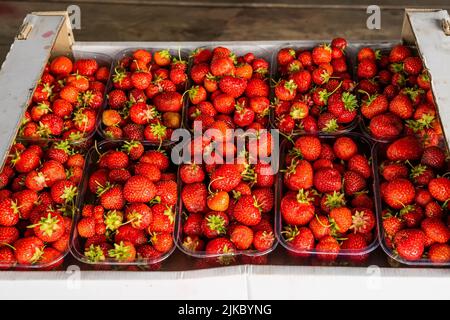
x=129 y=213
x=314 y=92
x=228 y=91
x=66 y=100
x=37 y=190
x=327 y=204
x=146 y=100
x=396 y=95
x=227 y=208
x=415 y=198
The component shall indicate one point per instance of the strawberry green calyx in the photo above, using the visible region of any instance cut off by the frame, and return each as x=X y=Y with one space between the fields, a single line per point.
x=155 y=200
x=291 y=52
x=85 y=98
x=43 y=107
x=113 y=220
x=423 y=123
x=397 y=67
x=290 y=232
x=37 y=255
x=236 y=194
x=295 y=153
x=407 y=209
x=378 y=54
x=74 y=136
x=291 y=86
x=417 y=171
x=413 y=93
x=359 y=221
x=94 y=254
x=102 y=189
x=119 y=75
x=129 y=145
x=168 y=212
x=216 y=223
x=234 y=58
x=63 y=145
x=135 y=218
x=303 y=197
x=335 y=200
x=350 y=101
x=47 y=225
x=158 y=130
x=325 y=76
x=121 y=252
x=69 y=194
x=165 y=54
x=298 y=113
x=323 y=96
x=331 y=126
x=294 y=67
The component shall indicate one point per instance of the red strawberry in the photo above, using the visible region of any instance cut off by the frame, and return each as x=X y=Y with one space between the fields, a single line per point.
x=257 y=88
x=233 y=86
x=327 y=249
x=222 y=66
x=374 y=106
x=85 y=67
x=263 y=240
x=367 y=69
x=359 y=163
x=112 y=198
x=139 y=189
x=341 y=219
x=433 y=157
x=440 y=189
x=436 y=230
x=391 y=171
x=355 y=243
x=26 y=161
x=220 y=246
x=139 y=214
x=410 y=244
x=309 y=147
x=353 y=182
x=194 y=197
x=86 y=227
x=392 y=225
x=225 y=178
x=193 y=225
x=63 y=192
x=366 y=53
x=286 y=90
x=163 y=219
x=123 y=252
x=62 y=66
x=399 y=53
x=7 y=258
x=407 y=148
x=297 y=209
x=327 y=180
x=168 y=101
x=345 y=148
x=162 y=242
x=8 y=235
x=363 y=220
x=127 y=233
x=9 y=213
x=299 y=175
x=412 y=65
x=301 y=240
x=265 y=198
x=321 y=54
x=247 y=211
x=167 y=192
x=439 y=253
x=28 y=250
x=285 y=56
x=401 y=106
x=50 y=227
x=399 y=193
x=386 y=126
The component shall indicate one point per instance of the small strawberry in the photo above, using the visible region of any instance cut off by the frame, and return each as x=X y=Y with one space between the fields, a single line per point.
x=28 y=250
x=439 y=253
x=435 y=229
x=220 y=246
x=263 y=240
x=399 y=193
x=327 y=249
x=247 y=211
x=50 y=227
x=242 y=237
x=327 y=180
x=162 y=242
x=123 y=252
x=410 y=244
x=9 y=213
x=353 y=182
x=194 y=197
x=407 y=148
x=139 y=189
x=363 y=220
x=386 y=126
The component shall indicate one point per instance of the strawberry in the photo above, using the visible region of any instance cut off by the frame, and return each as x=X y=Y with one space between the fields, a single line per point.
x=399 y=193
x=392 y=225
x=407 y=148
x=163 y=219
x=162 y=242
x=225 y=178
x=301 y=239
x=139 y=214
x=412 y=65
x=265 y=198
x=356 y=243
x=26 y=161
x=111 y=197
x=285 y=90
x=26 y=200
x=50 y=227
x=7 y=258
x=327 y=180
x=168 y=101
x=156 y=157
x=123 y=252
x=263 y=240
x=257 y=88
x=139 y=189
x=242 y=237
x=399 y=53
x=194 y=197
x=9 y=213
x=247 y=211
x=366 y=53
x=410 y=244
x=214 y=224
x=363 y=220
x=28 y=250
x=359 y=163
x=440 y=188
x=285 y=56
x=232 y=86
x=345 y=148
x=436 y=230
x=401 y=106
x=321 y=54
x=64 y=192
x=309 y=147
x=61 y=66
x=375 y=105
x=341 y=219
x=85 y=67
x=8 y=235
x=299 y=175
x=167 y=192
x=224 y=103
x=86 y=227
x=386 y=126
x=327 y=248
x=391 y=171
x=439 y=253
x=127 y=233
x=297 y=209
x=433 y=157
x=367 y=69
x=220 y=246
x=353 y=182
x=50 y=259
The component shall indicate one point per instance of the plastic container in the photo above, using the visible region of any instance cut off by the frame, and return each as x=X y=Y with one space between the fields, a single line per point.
x=225 y=258
x=103 y=61
x=365 y=147
x=309 y=45
x=378 y=155
x=23 y=226
x=238 y=50
x=85 y=197
x=384 y=48
x=174 y=51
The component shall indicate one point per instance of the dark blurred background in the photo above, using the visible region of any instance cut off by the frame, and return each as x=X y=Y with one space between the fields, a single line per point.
x=146 y=20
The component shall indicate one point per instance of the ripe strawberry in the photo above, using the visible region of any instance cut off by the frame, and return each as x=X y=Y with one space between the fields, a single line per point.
x=345 y=148
x=355 y=242
x=391 y=171
x=26 y=201
x=367 y=69
x=399 y=53
x=263 y=240
x=194 y=197
x=50 y=259
x=123 y=252
x=7 y=258
x=363 y=220
x=50 y=227
x=440 y=189
x=26 y=161
x=247 y=211
x=232 y=86
x=220 y=246
x=86 y=227
x=399 y=193
x=327 y=249
x=359 y=163
x=286 y=90
x=139 y=214
x=353 y=182
x=167 y=192
x=386 y=126
x=162 y=242
x=301 y=240
x=111 y=197
x=265 y=198
x=61 y=66
x=327 y=180
x=410 y=244
x=299 y=175
x=297 y=209
x=309 y=147
x=366 y=53
x=285 y=56
x=9 y=213
x=407 y=148
x=85 y=67
x=321 y=54
x=341 y=219
x=433 y=157
x=257 y=88
x=435 y=229
x=225 y=178
x=28 y=250
x=392 y=225
x=139 y=189
x=401 y=106
x=168 y=101
x=412 y=65
x=63 y=192
x=439 y=253
x=8 y=235
x=375 y=105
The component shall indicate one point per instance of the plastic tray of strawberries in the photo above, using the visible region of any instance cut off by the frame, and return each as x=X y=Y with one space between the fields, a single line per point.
x=395 y=100
x=145 y=95
x=127 y=206
x=227 y=210
x=325 y=204
x=413 y=201
x=313 y=88
x=38 y=189
x=66 y=104
x=229 y=85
